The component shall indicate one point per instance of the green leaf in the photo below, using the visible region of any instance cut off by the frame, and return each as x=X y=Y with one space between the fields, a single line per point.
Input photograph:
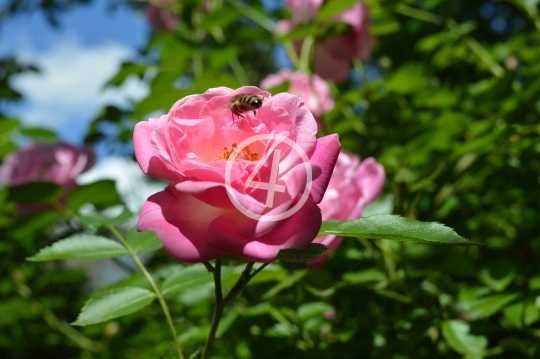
x=407 y=79
x=393 y=227
x=222 y=17
x=297 y=33
x=34 y=192
x=487 y=306
x=458 y=338
x=6 y=148
x=99 y=220
x=143 y=241
x=285 y=283
x=385 y=26
x=128 y=69
x=309 y=253
x=498 y=274
x=101 y=194
x=334 y=7
x=80 y=246
x=187 y=278
x=521 y=314
x=313 y=310
x=29 y=226
x=364 y=276
x=114 y=304
x=8 y=125
x=38 y=132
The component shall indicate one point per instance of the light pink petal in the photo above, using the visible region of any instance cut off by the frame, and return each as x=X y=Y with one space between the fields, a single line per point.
x=215 y=194
x=304 y=10
x=323 y=161
x=148 y=155
x=296 y=231
x=356 y=16
x=181 y=222
x=370 y=177
x=284 y=26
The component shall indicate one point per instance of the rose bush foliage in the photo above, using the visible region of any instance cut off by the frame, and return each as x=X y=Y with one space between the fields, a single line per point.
x=333 y=54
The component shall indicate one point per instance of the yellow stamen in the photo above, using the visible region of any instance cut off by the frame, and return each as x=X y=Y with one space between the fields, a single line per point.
x=244 y=154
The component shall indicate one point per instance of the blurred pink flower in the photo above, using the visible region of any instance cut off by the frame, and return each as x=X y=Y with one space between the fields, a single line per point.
x=333 y=54
x=304 y=10
x=314 y=91
x=191 y=147
x=160 y=15
x=55 y=163
x=353 y=185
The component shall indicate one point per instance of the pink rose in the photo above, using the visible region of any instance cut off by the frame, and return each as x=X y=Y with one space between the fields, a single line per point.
x=212 y=205
x=56 y=163
x=161 y=16
x=304 y=10
x=353 y=185
x=333 y=55
x=314 y=91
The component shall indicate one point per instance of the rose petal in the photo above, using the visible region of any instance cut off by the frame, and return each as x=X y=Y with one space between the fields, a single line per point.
x=147 y=153
x=296 y=231
x=180 y=221
x=323 y=160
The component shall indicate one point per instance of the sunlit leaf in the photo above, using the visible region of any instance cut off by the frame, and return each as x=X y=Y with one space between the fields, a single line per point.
x=81 y=246
x=334 y=7
x=114 y=304
x=143 y=241
x=38 y=132
x=487 y=306
x=458 y=338
x=187 y=278
x=393 y=227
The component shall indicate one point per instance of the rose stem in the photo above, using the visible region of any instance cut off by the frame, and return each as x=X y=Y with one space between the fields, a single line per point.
x=159 y=295
x=221 y=302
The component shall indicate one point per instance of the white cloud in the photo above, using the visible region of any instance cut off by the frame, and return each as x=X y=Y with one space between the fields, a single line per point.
x=68 y=92
x=131 y=183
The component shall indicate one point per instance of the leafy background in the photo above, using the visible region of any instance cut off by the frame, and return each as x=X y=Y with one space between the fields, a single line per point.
x=448 y=103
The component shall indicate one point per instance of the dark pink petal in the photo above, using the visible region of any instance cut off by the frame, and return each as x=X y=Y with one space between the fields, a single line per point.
x=323 y=161
x=370 y=177
x=296 y=231
x=181 y=223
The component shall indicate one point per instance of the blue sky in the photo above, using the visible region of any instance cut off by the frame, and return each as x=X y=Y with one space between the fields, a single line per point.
x=75 y=60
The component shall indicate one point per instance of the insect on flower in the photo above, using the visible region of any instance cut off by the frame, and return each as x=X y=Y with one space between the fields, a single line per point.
x=237 y=105
x=244 y=103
